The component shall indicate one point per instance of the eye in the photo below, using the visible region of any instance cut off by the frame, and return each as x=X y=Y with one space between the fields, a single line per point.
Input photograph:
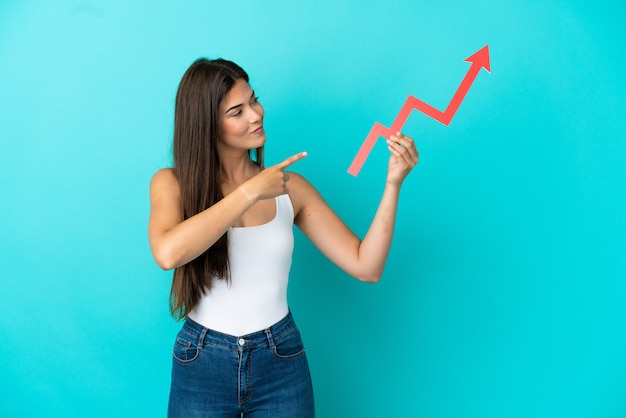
x=254 y=100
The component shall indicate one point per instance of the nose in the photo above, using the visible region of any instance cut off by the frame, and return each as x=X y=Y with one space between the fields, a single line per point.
x=256 y=115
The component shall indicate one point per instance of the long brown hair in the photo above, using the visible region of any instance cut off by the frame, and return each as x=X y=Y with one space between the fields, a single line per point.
x=197 y=166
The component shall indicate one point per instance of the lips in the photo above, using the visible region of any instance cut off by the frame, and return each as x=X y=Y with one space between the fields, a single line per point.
x=258 y=130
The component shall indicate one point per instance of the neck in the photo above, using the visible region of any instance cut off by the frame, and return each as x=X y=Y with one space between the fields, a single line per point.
x=237 y=167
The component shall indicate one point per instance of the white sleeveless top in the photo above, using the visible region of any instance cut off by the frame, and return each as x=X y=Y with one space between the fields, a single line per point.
x=260 y=260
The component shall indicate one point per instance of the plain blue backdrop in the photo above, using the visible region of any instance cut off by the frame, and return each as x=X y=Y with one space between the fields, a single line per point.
x=504 y=291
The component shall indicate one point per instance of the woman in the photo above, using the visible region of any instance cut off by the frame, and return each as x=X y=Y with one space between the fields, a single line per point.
x=225 y=224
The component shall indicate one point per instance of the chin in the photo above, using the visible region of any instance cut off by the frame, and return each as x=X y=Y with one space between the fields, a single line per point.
x=259 y=142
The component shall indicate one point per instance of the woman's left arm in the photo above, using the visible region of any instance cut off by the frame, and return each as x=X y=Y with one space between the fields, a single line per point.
x=363 y=259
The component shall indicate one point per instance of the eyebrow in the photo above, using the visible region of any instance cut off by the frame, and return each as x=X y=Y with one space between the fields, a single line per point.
x=239 y=105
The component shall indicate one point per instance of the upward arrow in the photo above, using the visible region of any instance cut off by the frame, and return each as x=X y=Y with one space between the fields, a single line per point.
x=479 y=60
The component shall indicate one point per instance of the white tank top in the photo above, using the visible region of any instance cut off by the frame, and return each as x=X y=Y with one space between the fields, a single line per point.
x=260 y=260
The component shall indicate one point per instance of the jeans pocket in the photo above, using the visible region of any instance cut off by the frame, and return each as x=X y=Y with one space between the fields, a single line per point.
x=289 y=345
x=186 y=348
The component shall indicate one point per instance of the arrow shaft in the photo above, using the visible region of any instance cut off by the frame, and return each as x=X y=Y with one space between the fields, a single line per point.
x=460 y=94
x=413 y=103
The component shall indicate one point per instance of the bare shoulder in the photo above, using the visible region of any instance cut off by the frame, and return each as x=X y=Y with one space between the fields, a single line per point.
x=164 y=188
x=165 y=210
x=164 y=175
x=299 y=186
x=301 y=192
x=164 y=179
x=298 y=179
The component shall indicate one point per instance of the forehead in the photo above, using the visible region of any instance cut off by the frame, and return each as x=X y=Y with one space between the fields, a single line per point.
x=240 y=93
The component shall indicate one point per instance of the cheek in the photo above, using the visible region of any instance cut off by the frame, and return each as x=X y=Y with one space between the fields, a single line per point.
x=233 y=128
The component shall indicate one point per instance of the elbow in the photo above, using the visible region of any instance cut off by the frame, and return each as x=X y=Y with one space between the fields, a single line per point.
x=366 y=274
x=373 y=277
x=164 y=263
x=164 y=259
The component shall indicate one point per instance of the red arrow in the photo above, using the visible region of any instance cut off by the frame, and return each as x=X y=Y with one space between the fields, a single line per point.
x=479 y=59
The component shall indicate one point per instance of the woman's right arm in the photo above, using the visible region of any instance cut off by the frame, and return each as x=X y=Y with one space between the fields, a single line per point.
x=175 y=241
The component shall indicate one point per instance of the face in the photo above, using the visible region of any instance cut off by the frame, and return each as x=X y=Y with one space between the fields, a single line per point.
x=241 y=118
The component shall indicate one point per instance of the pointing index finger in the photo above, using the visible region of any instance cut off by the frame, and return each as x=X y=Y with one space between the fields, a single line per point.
x=286 y=163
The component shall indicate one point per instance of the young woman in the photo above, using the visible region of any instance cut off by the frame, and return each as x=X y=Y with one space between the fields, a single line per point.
x=224 y=223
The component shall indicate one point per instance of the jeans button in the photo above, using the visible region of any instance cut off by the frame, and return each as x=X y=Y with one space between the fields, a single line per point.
x=241 y=342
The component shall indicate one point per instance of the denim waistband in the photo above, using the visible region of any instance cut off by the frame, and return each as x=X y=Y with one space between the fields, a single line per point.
x=206 y=336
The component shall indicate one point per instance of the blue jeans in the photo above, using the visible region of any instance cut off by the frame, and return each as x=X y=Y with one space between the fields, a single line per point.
x=263 y=374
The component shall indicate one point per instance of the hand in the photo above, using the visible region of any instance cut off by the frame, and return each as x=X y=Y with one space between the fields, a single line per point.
x=272 y=181
x=403 y=157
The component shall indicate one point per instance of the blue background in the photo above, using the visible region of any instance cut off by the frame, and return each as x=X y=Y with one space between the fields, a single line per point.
x=504 y=291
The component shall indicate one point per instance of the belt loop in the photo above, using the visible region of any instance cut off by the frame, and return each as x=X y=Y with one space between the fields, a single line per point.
x=270 y=338
x=201 y=338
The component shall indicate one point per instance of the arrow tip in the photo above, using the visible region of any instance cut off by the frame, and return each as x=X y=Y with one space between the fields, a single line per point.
x=481 y=57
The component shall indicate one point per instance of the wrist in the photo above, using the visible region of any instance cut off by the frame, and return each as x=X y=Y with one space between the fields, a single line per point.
x=393 y=185
x=247 y=194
